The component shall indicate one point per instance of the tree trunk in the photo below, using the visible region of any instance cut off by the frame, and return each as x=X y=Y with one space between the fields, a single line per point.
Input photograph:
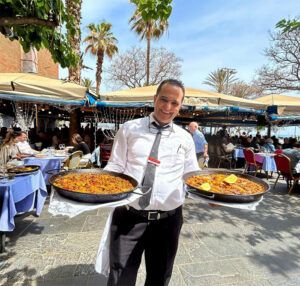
x=74 y=9
x=149 y=25
x=74 y=123
x=100 y=56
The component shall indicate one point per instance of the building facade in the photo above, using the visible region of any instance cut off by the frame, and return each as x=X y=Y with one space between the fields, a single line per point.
x=14 y=60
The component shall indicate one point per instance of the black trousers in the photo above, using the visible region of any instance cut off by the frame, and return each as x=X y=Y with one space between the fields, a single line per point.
x=131 y=235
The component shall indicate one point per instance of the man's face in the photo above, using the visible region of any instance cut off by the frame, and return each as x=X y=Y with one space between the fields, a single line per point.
x=23 y=137
x=192 y=127
x=167 y=103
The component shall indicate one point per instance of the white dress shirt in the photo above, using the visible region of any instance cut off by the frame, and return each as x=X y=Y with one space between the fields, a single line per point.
x=24 y=147
x=176 y=153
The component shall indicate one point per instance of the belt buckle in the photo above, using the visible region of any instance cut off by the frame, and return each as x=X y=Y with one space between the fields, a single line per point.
x=157 y=217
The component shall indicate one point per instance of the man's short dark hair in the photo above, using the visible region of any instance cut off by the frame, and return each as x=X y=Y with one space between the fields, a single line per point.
x=171 y=81
x=296 y=144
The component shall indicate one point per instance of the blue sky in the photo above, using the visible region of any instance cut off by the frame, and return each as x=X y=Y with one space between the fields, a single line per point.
x=206 y=34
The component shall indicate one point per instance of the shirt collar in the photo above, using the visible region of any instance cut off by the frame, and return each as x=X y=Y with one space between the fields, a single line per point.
x=168 y=127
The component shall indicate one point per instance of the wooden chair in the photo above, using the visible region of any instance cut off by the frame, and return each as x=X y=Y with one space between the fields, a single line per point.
x=72 y=162
x=284 y=168
x=250 y=161
x=223 y=157
x=105 y=151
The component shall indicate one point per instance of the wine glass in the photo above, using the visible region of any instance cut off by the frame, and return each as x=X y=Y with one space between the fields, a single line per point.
x=61 y=146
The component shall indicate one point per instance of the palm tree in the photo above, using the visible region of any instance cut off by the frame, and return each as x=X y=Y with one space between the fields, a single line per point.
x=220 y=79
x=100 y=42
x=147 y=29
x=88 y=83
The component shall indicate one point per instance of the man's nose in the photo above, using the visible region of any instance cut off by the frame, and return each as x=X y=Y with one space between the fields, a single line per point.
x=168 y=106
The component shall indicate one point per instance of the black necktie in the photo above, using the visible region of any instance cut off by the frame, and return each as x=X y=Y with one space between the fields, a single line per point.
x=150 y=169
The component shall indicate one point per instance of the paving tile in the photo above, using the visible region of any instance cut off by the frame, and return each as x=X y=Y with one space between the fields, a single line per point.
x=38 y=244
x=81 y=241
x=71 y=281
x=56 y=225
x=187 y=234
x=286 y=281
x=182 y=255
x=97 y=280
x=198 y=252
x=86 y=264
x=209 y=273
x=261 y=282
x=254 y=267
x=93 y=223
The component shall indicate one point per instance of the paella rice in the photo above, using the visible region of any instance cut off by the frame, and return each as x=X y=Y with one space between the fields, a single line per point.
x=242 y=186
x=93 y=183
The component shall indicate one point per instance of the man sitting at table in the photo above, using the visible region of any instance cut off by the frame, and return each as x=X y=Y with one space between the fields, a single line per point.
x=294 y=155
x=24 y=146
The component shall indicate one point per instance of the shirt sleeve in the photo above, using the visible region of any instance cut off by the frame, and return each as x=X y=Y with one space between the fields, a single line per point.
x=118 y=157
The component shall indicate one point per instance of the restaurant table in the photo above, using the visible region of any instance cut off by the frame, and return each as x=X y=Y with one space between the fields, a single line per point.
x=238 y=153
x=46 y=164
x=22 y=194
x=267 y=159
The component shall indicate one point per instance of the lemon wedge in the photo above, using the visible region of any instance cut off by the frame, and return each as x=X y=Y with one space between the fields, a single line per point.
x=205 y=187
x=231 y=179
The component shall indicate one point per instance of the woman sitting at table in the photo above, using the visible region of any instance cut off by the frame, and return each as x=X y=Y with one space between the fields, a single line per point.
x=9 y=149
x=270 y=148
x=80 y=145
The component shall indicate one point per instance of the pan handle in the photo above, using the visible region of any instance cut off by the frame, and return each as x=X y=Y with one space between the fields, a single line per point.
x=50 y=172
x=201 y=195
x=143 y=193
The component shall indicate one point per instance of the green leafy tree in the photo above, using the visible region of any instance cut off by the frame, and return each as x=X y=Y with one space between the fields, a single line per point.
x=288 y=25
x=100 y=42
x=38 y=24
x=150 y=21
x=88 y=83
x=220 y=80
x=74 y=9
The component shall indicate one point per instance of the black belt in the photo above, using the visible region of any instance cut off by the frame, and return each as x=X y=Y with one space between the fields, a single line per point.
x=152 y=215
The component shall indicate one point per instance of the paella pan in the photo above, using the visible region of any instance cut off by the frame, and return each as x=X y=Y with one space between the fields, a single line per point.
x=212 y=184
x=92 y=185
x=23 y=170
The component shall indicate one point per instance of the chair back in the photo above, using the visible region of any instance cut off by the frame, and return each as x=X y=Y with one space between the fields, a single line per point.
x=105 y=152
x=283 y=164
x=249 y=157
x=73 y=160
x=219 y=151
x=278 y=151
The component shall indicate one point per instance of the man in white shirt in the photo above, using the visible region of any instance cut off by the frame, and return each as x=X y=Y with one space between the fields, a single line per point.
x=155 y=228
x=24 y=146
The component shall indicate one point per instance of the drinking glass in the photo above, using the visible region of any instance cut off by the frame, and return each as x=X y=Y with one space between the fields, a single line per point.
x=61 y=146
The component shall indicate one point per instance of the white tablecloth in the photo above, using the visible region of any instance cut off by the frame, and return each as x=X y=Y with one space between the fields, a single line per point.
x=243 y=206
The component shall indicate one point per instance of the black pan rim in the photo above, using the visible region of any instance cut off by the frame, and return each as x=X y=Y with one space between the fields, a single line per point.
x=10 y=170
x=88 y=197
x=225 y=197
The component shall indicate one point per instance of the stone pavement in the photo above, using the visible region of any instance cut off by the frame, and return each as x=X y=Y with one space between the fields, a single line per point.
x=221 y=246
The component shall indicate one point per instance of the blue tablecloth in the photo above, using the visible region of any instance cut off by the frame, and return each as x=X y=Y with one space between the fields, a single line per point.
x=238 y=153
x=46 y=164
x=22 y=194
x=267 y=160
